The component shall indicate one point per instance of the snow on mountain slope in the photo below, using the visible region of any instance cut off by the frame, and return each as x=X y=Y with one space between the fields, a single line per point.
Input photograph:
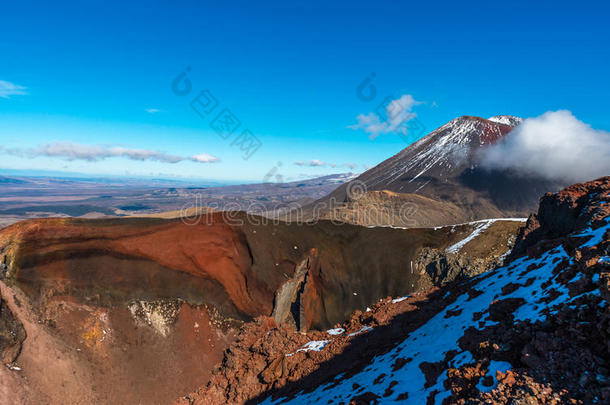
x=535 y=330
x=441 y=153
x=506 y=119
x=444 y=166
x=530 y=290
x=438 y=340
x=477 y=231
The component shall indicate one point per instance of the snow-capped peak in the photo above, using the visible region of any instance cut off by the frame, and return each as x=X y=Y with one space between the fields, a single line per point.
x=506 y=119
x=442 y=152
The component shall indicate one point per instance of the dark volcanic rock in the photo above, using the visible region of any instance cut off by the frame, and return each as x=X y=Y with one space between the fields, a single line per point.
x=562 y=213
x=12 y=334
x=533 y=331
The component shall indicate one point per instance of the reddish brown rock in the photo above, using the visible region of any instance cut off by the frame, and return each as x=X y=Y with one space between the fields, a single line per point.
x=561 y=358
x=124 y=302
x=561 y=213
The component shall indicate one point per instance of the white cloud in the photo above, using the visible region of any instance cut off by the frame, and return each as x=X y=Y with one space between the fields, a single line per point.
x=555 y=145
x=92 y=153
x=153 y=110
x=319 y=163
x=311 y=163
x=8 y=89
x=397 y=113
x=204 y=158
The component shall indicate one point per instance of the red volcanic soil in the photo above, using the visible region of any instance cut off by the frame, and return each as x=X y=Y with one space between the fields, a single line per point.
x=140 y=309
x=534 y=331
x=132 y=305
x=81 y=354
x=55 y=247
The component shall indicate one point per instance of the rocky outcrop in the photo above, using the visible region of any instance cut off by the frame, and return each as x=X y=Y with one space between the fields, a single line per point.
x=464 y=260
x=535 y=330
x=129 y=301
x=12 y=334
x=289 y=306
x=267 y=356
x=443 y=267
x=560 y=214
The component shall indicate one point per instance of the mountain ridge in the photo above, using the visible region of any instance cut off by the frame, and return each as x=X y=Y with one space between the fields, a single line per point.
x=444 y=166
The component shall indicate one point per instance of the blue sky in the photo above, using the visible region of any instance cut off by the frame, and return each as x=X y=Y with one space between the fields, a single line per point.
x=97 y=78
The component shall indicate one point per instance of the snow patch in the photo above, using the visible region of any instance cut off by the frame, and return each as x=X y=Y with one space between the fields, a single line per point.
x=506 y=120
x=314 y=345
x=595 y=235
x=335 y=332
x=477 y=231
x=364 y=329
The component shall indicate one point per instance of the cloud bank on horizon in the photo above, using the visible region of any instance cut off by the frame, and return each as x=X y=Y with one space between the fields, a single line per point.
x=93 y=153
x=556 y=146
